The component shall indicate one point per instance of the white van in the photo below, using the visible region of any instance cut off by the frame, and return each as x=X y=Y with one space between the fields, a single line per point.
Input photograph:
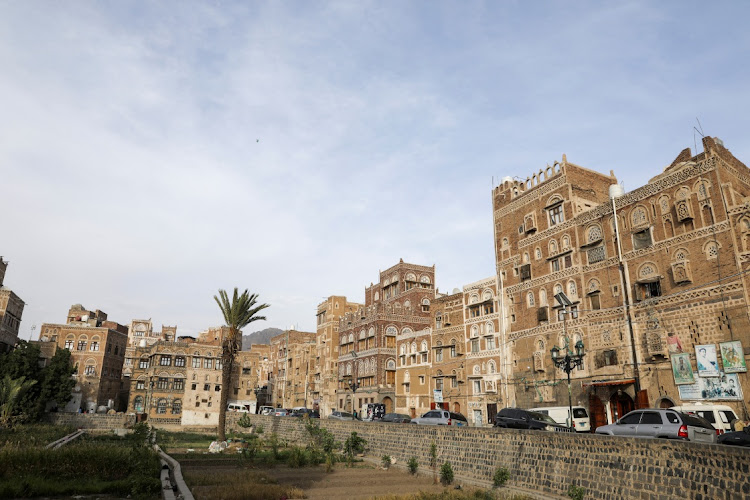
x=242 y=406
x=561 y=415
x=720 y=416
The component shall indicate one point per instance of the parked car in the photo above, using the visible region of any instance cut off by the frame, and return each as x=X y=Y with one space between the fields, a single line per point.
x=301 y=412
x=518 y=418
x=266 y=410
x=281 y=412
x=737 y=438
x=561 y=415
x=440 y=417
x=661 y=423
x=341 y=415
x=398 y=418
x=720 y=416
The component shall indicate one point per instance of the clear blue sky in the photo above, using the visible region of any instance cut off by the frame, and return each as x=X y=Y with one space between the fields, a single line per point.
x=154 y=152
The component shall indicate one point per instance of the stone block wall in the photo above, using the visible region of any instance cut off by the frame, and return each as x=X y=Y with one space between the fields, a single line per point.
x=607 y=467
x=91 y=420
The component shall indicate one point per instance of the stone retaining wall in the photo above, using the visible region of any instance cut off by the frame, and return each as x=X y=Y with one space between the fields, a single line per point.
x=91 y=420
x=607 y=467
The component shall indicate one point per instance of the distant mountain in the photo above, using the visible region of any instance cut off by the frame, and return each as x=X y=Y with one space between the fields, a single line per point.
x=261 y=337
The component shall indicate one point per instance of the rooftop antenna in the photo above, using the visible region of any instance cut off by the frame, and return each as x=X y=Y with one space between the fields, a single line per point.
x=695 y=143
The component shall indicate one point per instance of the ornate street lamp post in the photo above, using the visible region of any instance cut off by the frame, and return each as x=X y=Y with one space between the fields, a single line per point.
x=351 y=384
x=570 y=360
x=568 y=363
x=258 y=391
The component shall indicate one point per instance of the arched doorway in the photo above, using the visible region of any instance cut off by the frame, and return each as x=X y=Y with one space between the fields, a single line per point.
x=620 y=404
x=456 y=407
x=597 y=412
x=665 y=402
x=388 y=402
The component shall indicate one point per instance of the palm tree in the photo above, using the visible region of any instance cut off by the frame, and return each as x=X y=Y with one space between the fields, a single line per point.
x=238 y=313
x=11 y=392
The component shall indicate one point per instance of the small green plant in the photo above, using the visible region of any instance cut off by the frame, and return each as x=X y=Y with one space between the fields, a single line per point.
x=433 y=461
x=446 y=473
x=259 y=429
x=412 y=464
x=353 y=444
x=297 y=457
x=320 y=437
x=386 y=459
x=576 y=492
x=244 y=421
x=330 y=462
x=251 y=451
x=273 y=443
x=501 y=476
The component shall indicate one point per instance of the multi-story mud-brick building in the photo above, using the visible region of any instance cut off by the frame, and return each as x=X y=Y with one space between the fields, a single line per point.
x=325 y=379
x=250 y=376
x=651 y=274
x=177 y=382
x=485 y=368
x=292 y=355
x=11 y=310
x=97 y=350
x=398 y=304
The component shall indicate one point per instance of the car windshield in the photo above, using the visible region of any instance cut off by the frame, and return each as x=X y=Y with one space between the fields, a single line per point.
x=542 y=417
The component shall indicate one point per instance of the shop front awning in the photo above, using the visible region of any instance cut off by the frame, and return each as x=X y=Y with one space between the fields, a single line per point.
x=599 y=383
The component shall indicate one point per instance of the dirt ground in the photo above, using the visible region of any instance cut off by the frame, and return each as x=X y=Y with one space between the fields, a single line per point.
x=363 y=481
x=344 y=483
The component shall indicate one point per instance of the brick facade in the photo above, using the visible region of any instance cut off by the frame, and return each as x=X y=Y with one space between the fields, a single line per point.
x=676 y=273
x=399 y=304
x=11 y=310
x=97 y=350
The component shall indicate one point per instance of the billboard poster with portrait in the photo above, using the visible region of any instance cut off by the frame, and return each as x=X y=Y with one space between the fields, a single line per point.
x=705 y=360
x=725 y=387
x=733 y=357
x=681 y=369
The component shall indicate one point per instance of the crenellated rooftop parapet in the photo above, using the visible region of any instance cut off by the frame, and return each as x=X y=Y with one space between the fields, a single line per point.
x=517 y=186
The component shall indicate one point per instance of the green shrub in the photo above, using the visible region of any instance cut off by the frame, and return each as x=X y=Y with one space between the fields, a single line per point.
x=386 y=459
x=330 y=462
x=354 y=444
x=576 y=492
x=297 y=457
x=244 y=421
x=433 y=461
x=273 y=442
x=412 y=464
x=259 y=429
x=446 y=473
x=501 y=476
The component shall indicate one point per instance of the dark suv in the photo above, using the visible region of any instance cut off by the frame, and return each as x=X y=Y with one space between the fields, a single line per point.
x=517 y=418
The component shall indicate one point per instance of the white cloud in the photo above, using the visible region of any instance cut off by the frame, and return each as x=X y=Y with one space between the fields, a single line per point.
x=151 y=154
